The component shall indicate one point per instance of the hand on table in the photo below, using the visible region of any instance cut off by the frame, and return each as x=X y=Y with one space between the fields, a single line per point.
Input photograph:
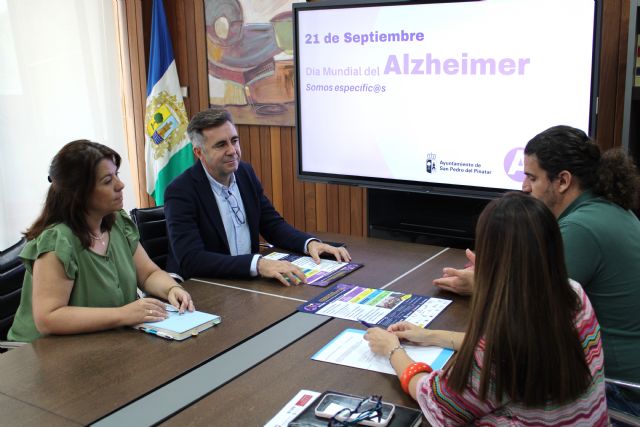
x=317 y=248
x=180 y=299
x=410 y=332
x=380 y=341
x=459 y=281
x=283 y=271
x=144 y=310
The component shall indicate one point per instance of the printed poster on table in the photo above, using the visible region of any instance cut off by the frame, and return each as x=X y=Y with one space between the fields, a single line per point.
x=323 y=274
x=377 y=306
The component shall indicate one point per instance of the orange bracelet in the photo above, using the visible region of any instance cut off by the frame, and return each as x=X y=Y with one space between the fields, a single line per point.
x=410 y=372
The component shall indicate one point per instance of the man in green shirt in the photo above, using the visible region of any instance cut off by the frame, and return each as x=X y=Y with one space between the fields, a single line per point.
x=592 y=195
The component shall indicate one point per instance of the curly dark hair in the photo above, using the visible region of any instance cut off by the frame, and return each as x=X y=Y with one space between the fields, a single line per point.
x=611 y=175
x=618 y=179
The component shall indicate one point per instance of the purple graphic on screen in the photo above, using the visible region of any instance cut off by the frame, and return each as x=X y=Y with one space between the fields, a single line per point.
x=514 y=164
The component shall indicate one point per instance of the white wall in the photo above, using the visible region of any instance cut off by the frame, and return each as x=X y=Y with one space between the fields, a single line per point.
x=58 y=82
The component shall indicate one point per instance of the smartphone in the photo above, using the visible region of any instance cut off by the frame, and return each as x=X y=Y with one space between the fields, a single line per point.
x=333 y=403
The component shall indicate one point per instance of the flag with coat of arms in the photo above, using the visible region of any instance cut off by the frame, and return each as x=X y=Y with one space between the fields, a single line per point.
x=168 y=151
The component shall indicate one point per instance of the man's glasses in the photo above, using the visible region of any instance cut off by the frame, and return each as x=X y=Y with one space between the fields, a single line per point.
x=368 y=409
x=235 y=208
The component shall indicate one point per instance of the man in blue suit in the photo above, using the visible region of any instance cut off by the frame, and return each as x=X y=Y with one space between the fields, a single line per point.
x=217 y=209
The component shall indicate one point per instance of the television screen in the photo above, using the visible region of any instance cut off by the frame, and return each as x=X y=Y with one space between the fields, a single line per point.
x=438 y=97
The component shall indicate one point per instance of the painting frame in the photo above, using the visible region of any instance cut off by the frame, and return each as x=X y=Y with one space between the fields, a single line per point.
x=249 y=52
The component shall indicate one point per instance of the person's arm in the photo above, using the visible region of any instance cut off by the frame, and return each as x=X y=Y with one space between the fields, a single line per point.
x=458 y=281
x=386 y=344
x=582 y=253
x=157 y=282
x=414 y=333
x=53 y=315
x=435 y=406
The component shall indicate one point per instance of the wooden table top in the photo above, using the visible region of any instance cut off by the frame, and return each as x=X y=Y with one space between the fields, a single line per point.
x=17 y=413
x=82 y=378
x=384 y=261
x=255 y=397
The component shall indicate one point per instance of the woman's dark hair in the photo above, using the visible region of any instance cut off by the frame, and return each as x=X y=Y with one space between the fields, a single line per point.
x=73 y=179
x=611 y=175
x=523 y=307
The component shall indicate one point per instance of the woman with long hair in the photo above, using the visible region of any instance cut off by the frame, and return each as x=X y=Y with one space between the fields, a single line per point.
x=531 y=354
x=83 y=258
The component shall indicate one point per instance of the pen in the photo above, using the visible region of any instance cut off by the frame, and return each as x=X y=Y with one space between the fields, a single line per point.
x=158 y=333
x=172 y=309
x=369 y=325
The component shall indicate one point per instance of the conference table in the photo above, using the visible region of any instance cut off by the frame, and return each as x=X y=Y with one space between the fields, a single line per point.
x=240 y=372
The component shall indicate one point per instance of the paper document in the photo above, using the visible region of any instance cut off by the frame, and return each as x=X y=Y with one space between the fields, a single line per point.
x=350 y=349
x=294 y=407
x=323 y=274
x=376 y=306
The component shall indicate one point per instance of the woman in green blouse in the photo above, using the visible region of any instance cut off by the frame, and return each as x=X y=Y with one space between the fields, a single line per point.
x=83 y=258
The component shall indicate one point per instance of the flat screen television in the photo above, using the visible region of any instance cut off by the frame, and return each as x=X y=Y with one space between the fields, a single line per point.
x=438 y=97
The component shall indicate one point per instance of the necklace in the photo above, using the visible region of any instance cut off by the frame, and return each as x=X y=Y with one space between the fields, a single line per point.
x=98 y=239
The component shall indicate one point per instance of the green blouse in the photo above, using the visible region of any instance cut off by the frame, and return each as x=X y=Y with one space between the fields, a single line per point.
x=98 y=280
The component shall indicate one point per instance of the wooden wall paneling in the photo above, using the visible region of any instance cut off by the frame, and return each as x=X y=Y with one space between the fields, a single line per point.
x=288 y=175
x=321 y=207
x=310 y=223
x=137 y=55
x=202 y=82
x=265 y=159
x=333 y=212
x=245 y=142
x=356 y=210
x=344 y=209
x=608 y=74
x=623 y=41
x=276 y=168
x=254 y=146
x=192 y=59
x=298 y=194
x=125 y=64
x=364 y=218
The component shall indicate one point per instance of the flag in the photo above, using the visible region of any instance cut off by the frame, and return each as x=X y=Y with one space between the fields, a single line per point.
x=168 y=151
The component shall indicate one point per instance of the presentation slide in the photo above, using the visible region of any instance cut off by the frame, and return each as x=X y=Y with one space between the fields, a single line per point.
x=445 y=93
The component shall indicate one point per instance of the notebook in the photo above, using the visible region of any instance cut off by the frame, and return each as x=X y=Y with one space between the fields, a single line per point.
x=180 y=326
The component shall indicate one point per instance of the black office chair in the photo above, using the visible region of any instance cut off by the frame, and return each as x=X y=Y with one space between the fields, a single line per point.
x=11 y=275
x=152 y=227
x=153 y=233
x=620 y=416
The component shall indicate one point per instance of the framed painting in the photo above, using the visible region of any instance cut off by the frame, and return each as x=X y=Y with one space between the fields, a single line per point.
x=250 y=59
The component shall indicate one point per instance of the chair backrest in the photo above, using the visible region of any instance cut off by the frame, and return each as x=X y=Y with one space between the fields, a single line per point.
x=633 y=393
x=152 y=227
x=11 y=276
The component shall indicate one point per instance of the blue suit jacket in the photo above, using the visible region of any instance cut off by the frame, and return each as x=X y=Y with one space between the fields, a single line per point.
x=198 y=244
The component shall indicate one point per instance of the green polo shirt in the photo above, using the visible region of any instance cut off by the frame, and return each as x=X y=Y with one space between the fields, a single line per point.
x=602 y=250
x=98 y=280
